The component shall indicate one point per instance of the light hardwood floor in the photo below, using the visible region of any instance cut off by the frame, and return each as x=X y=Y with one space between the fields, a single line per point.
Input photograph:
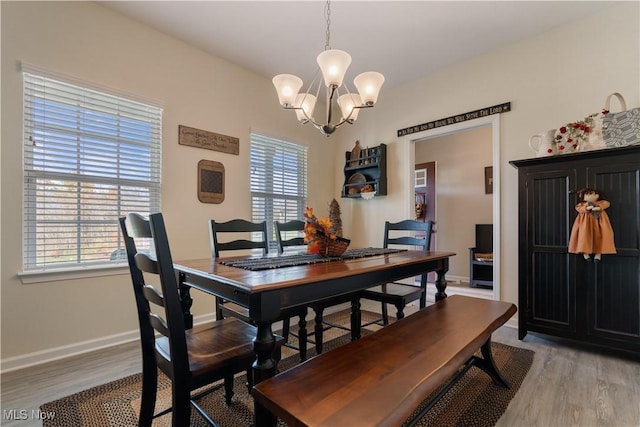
x=568 y=384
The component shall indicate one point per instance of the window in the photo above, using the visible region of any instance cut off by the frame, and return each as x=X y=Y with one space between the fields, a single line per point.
x=278 y=181
x=89 y=158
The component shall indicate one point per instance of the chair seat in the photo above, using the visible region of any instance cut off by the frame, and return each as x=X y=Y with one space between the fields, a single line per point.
x=393 y=292
x=215 y=346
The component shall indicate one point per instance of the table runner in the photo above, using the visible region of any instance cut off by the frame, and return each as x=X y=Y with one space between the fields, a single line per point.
x=266 y=263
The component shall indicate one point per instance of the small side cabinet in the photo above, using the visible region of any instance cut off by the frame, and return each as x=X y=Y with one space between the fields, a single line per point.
x=481 y=257
x=561 y=293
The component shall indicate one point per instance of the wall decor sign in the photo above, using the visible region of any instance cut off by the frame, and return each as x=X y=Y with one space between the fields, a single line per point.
x=459 y=118
x=209 y=140
x=210 y=181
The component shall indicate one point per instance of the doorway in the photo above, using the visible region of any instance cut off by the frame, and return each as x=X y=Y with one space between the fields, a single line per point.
x=493 y=123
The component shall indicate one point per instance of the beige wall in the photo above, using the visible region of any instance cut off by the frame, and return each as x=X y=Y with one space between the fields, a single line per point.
x=461 y=200
x=558 y=76
x=94 y=44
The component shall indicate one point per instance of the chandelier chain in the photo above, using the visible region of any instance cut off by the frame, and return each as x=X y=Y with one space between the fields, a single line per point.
x=327 y=12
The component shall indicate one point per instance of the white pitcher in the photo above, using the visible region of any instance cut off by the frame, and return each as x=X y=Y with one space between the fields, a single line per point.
x=543 y=143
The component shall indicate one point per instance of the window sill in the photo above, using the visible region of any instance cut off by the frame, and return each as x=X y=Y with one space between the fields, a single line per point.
x=72 y=273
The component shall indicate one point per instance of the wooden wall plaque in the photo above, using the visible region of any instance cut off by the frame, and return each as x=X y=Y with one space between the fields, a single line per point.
x=210 y=181
x=208 y=140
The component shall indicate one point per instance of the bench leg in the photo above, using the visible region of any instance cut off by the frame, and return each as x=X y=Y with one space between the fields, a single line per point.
x=263 y=418
x=488 y=365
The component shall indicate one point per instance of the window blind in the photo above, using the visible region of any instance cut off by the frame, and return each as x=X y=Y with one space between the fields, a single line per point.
x=89 y=158
x=278 y=181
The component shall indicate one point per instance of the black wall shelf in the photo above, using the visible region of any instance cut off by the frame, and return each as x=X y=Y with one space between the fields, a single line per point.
x=368 y=169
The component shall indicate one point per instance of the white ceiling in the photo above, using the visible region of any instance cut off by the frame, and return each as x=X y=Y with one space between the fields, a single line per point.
x=403 y=40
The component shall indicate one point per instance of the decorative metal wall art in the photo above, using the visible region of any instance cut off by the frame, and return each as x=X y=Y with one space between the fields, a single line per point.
x=210 y=181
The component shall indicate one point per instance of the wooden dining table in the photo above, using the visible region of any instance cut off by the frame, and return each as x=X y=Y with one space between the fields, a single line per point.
x=266 y=293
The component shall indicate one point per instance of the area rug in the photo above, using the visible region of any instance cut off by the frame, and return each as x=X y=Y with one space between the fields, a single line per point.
x=473 y=401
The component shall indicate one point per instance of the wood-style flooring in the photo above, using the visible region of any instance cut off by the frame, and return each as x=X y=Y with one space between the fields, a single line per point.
x=568 y=384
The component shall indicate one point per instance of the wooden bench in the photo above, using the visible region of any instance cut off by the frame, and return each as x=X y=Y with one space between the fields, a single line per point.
x=381 y=379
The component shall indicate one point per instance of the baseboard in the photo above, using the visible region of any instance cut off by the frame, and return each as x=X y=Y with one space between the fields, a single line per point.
x=456 y=279
x=50 y=355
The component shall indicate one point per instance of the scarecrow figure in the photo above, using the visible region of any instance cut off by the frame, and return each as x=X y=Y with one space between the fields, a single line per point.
x=592 y=232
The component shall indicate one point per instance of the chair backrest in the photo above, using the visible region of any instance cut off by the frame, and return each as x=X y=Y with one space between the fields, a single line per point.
x=134 y=228
x=237 y=226
x=484 y=238
x=285 y=229
x=414 y=233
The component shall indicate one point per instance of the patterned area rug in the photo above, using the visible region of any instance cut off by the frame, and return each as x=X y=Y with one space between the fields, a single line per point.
x=473 y=401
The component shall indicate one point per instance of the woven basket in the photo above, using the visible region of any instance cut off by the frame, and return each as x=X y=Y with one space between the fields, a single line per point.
x=332 y=247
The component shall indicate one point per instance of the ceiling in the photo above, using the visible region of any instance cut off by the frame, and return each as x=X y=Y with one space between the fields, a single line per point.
x=403 y=40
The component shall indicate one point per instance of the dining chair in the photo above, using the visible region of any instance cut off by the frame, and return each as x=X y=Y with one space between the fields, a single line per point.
x=285 y=240
x=191 y=358
x=284 y=237
x=230 y=236
x=412 y=233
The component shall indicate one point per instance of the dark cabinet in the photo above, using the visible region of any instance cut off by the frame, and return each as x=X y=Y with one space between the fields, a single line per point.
x=561 y=293
x=367 y=171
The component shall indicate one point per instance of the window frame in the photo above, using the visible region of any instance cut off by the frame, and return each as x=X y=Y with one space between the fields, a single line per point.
x=35 y=167
x=269 y=148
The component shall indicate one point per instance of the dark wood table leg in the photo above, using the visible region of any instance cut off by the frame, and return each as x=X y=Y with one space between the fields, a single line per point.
x=423 y=285
x=318 y=329
x=441 y=282
x=264 y=367
x=185 y=300
x=356 y=319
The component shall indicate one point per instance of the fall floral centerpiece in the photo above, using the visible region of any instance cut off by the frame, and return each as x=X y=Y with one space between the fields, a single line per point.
x=324 y=235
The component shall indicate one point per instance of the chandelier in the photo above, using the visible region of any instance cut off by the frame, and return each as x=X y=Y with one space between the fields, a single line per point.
x=333 y=65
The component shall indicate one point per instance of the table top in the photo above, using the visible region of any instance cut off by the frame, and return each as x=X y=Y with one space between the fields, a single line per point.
x=253 y=282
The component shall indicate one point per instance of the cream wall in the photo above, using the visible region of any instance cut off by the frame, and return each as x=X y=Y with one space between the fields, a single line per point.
x=461 y=200
x=550 y=79
x=559 y=76
x=92 y=43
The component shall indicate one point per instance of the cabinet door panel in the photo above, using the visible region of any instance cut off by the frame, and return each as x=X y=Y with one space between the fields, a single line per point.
x=614 y=303
x=551 y=302
x=616 y=298
x=552 y=291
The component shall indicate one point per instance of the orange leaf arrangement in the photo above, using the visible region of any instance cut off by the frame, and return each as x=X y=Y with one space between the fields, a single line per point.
x=321 y=237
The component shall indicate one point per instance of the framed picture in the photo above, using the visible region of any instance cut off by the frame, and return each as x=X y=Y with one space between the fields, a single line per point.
x=488 y=180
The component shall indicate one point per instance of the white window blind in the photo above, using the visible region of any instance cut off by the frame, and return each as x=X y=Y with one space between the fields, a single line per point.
x=89 y=158
x=278 y=181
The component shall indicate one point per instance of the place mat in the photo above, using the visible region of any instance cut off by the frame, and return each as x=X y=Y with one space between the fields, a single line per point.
x=474 y=401
x=266 y=263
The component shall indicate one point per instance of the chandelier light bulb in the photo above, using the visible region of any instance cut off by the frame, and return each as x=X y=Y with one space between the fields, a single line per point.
x=287 y=86
x=334 y=64
x=307 y=103
x=368 y=85
x=347 y=103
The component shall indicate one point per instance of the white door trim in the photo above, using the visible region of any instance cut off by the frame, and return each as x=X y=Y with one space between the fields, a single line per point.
x=408 y=143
